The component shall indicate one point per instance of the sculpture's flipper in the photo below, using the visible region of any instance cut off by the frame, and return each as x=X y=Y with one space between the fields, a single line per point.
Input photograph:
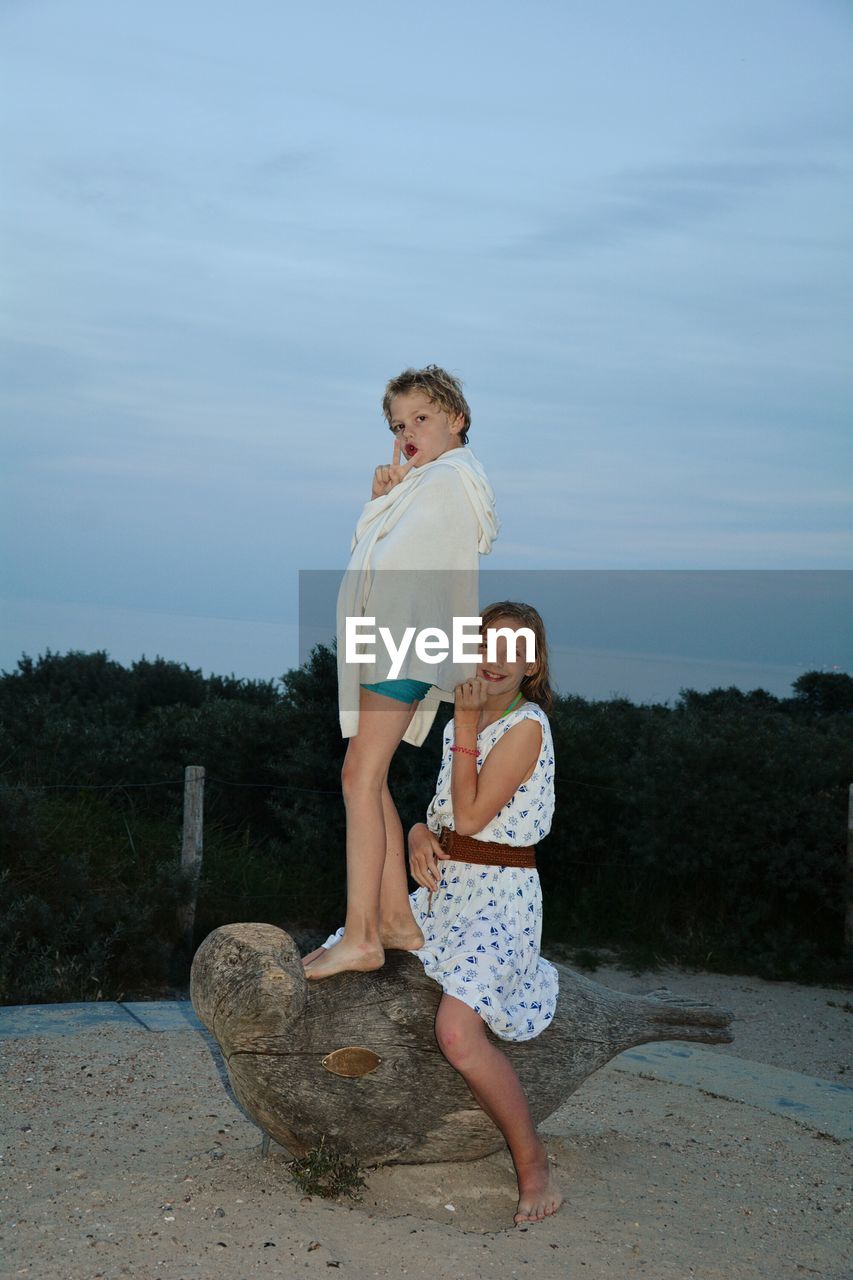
x=678 y=1015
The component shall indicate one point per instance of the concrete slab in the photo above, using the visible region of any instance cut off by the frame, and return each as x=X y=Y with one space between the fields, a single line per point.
x=71 y=1018
x=164 y=1015
x=819 y=1104
x=60 y=1019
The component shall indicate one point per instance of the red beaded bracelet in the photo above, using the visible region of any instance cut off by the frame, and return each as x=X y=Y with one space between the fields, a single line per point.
x=468 y=751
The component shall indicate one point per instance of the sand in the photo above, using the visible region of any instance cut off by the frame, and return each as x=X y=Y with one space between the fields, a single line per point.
x=124 y=1155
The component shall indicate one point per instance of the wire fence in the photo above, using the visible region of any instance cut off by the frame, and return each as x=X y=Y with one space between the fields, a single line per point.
x=227 y=782
x=291 y=787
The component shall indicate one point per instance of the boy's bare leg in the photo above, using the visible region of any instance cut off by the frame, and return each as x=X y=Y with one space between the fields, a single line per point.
x=382 y=723
x=490 y=1076
x=398 y=929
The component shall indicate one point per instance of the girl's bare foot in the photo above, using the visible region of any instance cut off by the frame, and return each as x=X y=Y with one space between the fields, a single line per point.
x=538 y=1193
x=345 y=956
x=312 y=955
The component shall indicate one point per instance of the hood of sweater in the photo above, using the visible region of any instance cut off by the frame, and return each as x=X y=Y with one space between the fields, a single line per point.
x=470 y=470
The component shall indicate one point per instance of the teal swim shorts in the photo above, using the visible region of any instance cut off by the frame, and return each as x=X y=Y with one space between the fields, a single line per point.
x=402 y=690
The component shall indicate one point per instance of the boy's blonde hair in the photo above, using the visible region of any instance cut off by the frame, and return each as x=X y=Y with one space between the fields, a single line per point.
x=537 y=686
x=440 y=386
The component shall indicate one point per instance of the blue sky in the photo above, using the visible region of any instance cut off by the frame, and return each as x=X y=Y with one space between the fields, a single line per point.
x=223 y=228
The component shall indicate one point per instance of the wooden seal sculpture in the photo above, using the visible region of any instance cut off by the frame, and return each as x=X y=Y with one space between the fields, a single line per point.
x=354 y=1059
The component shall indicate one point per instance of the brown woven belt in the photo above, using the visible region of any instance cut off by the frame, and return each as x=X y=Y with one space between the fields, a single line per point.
x=486 y=853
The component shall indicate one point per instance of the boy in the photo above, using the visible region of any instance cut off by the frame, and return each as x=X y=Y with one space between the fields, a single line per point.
x=414 y=563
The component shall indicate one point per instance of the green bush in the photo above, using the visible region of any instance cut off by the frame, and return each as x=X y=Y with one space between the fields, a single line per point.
x=87 y=902
x=712 y=831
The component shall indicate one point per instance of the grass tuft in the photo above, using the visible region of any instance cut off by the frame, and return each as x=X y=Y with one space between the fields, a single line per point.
x=327 y=1173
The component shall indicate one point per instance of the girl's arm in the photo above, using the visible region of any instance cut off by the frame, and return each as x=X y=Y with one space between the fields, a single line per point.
x=478 y=797
x=424 y=854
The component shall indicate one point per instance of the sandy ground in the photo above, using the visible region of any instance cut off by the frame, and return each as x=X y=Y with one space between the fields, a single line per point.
x=807 y=1029
x=123 y=1155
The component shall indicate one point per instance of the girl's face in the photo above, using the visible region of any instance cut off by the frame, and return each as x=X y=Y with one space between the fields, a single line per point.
x=503 y=677
x=424 y=430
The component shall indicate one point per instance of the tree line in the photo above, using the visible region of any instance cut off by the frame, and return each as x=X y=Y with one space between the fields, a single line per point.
x=710 y=831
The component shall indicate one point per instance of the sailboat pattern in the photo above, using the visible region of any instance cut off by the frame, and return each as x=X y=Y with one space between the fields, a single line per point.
x=483 y=927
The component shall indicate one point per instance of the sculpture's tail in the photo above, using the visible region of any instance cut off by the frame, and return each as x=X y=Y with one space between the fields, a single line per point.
x=675 y=1017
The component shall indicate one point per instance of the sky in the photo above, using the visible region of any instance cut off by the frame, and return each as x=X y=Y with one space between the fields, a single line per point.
x=223 y=228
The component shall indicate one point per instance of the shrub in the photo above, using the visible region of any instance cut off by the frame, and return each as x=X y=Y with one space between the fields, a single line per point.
x=712 y=831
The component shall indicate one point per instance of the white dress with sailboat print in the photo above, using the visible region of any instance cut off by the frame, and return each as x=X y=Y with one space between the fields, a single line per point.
x=482 y=935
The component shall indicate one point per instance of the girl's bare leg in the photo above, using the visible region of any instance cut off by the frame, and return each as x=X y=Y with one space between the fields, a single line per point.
x=461 y=1036
x=382 y=723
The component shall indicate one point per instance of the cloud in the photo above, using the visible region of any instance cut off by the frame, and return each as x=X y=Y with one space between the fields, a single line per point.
x=28 y=367
x=265 y=176
x=661 y=198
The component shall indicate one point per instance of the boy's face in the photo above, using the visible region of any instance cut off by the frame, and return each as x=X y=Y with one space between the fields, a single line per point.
x=424 y=430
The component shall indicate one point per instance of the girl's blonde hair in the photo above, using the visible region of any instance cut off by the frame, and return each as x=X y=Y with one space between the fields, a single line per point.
x=537 y=686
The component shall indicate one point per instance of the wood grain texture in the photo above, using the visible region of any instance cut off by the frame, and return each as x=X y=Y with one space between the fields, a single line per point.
x=275 y=1029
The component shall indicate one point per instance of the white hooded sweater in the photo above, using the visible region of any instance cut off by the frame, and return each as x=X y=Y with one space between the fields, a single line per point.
x=414 y=563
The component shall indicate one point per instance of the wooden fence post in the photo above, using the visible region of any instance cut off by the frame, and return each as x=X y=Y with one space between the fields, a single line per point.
x=191 y=851
x=848 y=918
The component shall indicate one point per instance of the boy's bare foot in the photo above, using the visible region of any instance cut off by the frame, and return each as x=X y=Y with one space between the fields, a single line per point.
x=538 y=1193
x=343 y=957
x=403 y=935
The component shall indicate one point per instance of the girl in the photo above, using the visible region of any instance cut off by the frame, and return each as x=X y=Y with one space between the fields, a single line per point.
x=479 y=907
x=433 y=512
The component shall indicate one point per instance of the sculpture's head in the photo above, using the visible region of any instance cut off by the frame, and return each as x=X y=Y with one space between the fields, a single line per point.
x=250 y=978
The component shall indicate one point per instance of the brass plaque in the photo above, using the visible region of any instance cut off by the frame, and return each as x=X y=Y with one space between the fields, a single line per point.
x=351 y=1062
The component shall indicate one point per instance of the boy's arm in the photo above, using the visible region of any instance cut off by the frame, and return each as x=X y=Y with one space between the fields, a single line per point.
x=387 y=477
x=439 y=527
